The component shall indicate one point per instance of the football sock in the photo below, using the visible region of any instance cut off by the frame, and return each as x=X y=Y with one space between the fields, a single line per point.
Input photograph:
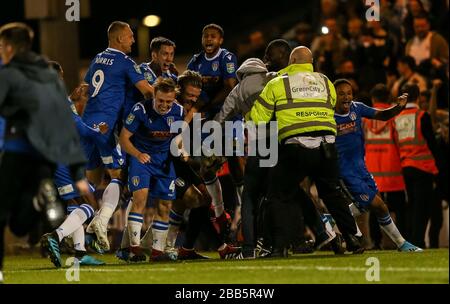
x=74 y=220
x=388 y=226
x=215 y=191
x=159 y=231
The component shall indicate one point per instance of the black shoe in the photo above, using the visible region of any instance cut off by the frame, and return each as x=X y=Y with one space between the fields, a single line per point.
x=307 y=246
x=337 y=245
x=353 y=244
x=278 y=253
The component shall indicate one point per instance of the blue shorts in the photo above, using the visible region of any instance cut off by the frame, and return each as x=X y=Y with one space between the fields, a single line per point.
x=103 y=149
x=362 y=187
x=65 y=185
x=158 y=176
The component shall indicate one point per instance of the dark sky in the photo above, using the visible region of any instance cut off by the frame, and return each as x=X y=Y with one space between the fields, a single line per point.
x=182 y=21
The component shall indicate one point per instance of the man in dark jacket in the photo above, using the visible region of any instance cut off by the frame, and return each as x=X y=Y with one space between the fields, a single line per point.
x=37 y=132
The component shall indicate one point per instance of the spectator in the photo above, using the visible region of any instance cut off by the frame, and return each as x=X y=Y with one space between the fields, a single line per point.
x=302 y=35
x=428 y=48
x=329 y=49
x=405 y=68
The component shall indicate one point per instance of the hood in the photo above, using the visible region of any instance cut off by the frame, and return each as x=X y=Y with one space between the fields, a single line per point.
x=251 y=66
x=34 y=67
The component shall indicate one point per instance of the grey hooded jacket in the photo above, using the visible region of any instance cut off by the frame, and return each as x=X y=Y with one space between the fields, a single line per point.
x=253 y=77
x=33 y=99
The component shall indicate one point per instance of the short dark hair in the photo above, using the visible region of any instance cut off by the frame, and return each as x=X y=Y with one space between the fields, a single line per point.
x=409 y=61
x=215 y=27
x=280 y=44
x=380 y=92
x=412 y=90
x=165 y=85
x=19 y=35
x=115 y=27
x=189 y=77
x=158 y=42
x=340 y=81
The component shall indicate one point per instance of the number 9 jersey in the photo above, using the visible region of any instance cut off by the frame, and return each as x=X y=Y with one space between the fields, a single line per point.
x=111 y=74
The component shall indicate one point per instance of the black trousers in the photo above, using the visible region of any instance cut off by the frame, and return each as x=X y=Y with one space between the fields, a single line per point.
x=20 y=177
x=255 y=179
x=294 y=164
x=419 y=188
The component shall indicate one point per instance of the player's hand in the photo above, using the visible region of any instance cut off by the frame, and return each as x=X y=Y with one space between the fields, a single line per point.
x=144 y=158
x=184 y=156
x=83 y=187
x=103 y=127
x=79 y=93
x=402 y=100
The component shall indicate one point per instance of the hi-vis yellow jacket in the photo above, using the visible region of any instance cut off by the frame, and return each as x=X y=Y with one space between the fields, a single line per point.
x=302 y=100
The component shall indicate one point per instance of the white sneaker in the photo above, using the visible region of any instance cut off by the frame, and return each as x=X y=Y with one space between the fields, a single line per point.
x=1 y=277
x=100 y=231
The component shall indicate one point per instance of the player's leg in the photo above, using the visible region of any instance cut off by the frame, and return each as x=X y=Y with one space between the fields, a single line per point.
x=113 y=160
x=160 y=229
x=163 y=189
x=213 y=187
x=77 y=216
x=135 y=220
x=386 y=223
x=236 y=165
x=78 y=238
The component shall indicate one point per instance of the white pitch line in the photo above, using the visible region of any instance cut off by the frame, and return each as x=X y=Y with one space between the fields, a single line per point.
x=269 y=268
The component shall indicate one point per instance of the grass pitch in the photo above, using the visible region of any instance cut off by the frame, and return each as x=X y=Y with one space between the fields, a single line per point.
x=429 y=267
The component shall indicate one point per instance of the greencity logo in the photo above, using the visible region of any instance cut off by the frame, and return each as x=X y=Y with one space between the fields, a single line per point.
x=73 y=12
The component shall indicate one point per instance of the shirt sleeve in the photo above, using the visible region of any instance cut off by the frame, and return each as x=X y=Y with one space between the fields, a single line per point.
x=190 y=65
x=365 y=111
x=134 y=118
x=229 y=65
x=264 y=105
x=229 y=106
x=83 y=129
x=133 y=71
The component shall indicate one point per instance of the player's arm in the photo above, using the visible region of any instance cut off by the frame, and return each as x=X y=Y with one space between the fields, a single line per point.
x=229 y=107
x=228 y=85
x=391 y=112
x=127 y=145
x=145 y=88
x=135 y=75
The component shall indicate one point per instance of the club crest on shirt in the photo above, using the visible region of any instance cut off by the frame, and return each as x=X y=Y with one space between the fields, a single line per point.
x=149 y=77
x=353 y=116
x=230 y=67
x=130 y=119
x=135 y=180
x=170 y=120
x=215 y=66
